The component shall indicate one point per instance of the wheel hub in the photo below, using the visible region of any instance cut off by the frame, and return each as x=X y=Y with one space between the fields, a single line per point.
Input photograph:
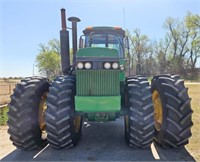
x=42 y=108
x=158 y=110
x=77 y=123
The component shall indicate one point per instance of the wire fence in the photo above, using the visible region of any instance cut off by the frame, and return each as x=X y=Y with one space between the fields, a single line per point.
x=7 y=89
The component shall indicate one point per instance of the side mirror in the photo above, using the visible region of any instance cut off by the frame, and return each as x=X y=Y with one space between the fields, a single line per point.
x=81 y=42
x=126 y=43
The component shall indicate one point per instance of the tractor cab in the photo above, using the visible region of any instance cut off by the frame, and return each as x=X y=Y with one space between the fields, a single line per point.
x=104 y=37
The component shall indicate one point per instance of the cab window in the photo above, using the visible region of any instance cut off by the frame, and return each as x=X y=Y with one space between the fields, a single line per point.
x=105 y=40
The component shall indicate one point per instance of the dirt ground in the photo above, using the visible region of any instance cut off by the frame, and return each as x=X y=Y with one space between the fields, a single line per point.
x=5 y=143
x=99 y=142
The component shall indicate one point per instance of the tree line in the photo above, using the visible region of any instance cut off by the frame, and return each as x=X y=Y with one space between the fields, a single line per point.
x=176 y=53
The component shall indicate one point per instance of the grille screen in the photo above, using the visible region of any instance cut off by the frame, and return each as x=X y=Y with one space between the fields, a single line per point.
x=97 y=82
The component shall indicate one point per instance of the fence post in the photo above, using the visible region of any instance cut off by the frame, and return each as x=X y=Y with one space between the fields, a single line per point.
x=9 y=88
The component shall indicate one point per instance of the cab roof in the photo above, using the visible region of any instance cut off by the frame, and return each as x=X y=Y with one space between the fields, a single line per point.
x=103 y=29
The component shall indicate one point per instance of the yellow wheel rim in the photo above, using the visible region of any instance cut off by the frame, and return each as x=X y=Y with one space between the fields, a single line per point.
x=77 y=123
x=126 y=122
x=42 y=108
x=158 y=110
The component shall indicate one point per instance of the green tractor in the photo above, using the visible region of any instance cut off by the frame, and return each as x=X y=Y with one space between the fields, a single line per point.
x=98 y=87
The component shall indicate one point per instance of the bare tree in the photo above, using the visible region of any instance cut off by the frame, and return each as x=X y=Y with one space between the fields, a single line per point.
x=141 y=50
x=192 y=22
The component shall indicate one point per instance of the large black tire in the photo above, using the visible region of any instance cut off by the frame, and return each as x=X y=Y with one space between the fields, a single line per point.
x=139 y=123
x=62 y=126
x=23 y=119
x=174 y=128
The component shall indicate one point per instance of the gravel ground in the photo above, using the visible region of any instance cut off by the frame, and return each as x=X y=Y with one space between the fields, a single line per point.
x=99 y=142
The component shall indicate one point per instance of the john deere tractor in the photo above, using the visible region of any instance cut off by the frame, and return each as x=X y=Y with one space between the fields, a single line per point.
x=98 y=87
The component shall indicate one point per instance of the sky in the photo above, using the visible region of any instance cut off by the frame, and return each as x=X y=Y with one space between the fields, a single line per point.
x=24 y=24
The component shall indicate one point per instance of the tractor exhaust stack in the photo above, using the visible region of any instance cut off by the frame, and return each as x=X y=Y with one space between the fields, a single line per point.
x=74 y=21
x=64 y=44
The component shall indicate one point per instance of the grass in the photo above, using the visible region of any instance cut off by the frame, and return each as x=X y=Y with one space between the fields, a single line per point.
x=193 y=146
x=3 y=116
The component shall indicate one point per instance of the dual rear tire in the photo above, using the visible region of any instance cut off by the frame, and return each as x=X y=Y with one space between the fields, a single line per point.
x=36 y=108
x=166 y=117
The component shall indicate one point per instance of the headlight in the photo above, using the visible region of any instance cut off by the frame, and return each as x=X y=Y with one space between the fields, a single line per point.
x=107 y=65
x=115 y=65
x=88 y=65
x=80 y=65
x=122 y=67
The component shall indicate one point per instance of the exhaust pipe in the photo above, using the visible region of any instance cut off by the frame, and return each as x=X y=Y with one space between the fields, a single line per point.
x=74 y=21
x=64 y=45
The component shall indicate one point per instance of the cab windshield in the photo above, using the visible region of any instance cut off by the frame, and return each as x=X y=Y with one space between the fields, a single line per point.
x=114 y=41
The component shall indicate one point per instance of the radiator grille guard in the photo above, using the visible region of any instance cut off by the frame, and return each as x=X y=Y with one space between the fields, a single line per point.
x=97 y=83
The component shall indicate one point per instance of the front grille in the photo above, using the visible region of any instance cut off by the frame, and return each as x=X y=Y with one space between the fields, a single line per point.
x=97 y=83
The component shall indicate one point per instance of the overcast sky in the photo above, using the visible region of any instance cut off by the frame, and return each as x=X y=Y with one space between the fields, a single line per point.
x=24 y=24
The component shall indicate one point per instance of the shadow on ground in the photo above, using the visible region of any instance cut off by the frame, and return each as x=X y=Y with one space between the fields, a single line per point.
x=100 y=142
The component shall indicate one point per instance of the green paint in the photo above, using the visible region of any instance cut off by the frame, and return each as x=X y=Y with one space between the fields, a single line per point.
x=122 y=73
x=97 y=52
x=92 y=104
x=122 y=76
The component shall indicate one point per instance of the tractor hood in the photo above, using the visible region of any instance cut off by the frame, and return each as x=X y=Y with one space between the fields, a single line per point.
x=97 y=52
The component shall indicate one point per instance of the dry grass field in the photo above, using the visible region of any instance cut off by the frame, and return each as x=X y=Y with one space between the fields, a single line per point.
x=193 y=146
x=6 y=89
